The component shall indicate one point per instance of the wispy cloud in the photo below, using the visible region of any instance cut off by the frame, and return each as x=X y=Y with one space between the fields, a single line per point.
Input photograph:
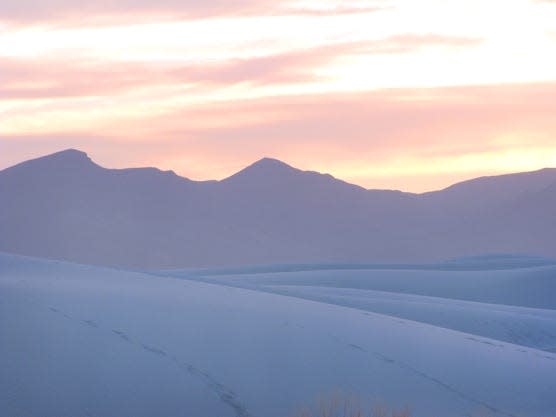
x=66 y=11
x=45 y=10
x=25 y=78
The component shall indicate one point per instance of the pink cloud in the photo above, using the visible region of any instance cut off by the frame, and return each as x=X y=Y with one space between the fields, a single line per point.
x=49 y=78
x=67 y=11
x=32 y=78
x=31 y=10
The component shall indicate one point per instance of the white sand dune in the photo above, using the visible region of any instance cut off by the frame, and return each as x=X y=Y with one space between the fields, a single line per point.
x=87 y=341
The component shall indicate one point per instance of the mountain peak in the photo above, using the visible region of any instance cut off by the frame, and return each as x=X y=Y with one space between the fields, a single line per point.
x=70 y=154
x=270 y=163
x=264 y=169
x=269 y=173
x=68 y=159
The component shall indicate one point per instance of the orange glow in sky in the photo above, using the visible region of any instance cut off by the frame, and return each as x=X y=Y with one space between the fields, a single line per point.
x=383 y=93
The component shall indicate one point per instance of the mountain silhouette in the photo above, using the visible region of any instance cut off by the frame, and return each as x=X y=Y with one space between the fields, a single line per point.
x=65 y=206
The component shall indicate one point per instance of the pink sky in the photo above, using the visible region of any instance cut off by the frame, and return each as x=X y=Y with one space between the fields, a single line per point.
x=385 y=93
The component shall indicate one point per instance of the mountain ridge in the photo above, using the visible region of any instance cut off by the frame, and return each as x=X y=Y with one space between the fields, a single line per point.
x=268 y=165
x=64 y=206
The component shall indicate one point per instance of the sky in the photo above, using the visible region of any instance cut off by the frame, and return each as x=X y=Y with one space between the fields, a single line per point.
x=399 y=94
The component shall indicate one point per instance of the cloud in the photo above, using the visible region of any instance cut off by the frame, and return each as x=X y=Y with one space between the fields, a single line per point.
x=60 y=11
x=299 y=65
x=51 y=78
x=30 y=10
x=328 y=11
x=383 y=119
x=55 y=77
x=413 y=41
x=27 y=79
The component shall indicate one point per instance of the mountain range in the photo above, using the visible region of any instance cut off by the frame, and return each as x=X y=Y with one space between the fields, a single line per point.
x=64 y=206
